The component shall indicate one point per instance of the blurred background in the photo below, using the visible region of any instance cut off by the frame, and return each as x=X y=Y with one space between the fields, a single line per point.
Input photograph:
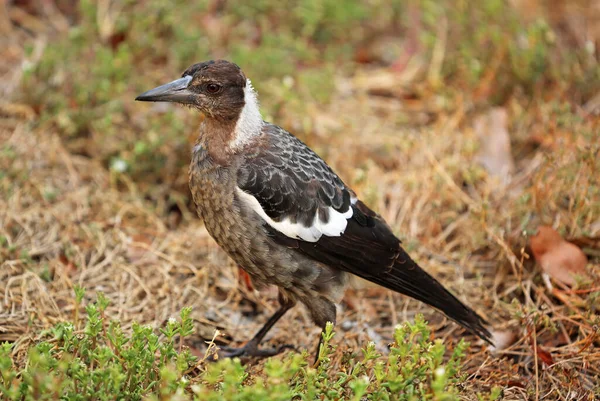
x=79 y=64
x=467 y=124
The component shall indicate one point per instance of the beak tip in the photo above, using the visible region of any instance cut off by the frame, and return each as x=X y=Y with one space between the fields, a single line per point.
x=142 y=98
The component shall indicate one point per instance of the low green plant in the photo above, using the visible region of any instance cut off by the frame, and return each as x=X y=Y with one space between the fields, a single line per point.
x=100 y=361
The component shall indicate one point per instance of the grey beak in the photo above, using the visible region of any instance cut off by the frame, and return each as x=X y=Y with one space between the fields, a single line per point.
x=175 y=91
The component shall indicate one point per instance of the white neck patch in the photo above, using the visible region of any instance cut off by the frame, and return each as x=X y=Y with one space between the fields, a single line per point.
x=250 y=122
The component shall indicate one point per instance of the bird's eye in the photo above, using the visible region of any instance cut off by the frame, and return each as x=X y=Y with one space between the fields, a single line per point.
x=213 y=88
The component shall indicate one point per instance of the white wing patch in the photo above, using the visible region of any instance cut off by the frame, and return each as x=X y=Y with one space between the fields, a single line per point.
x=335 y=226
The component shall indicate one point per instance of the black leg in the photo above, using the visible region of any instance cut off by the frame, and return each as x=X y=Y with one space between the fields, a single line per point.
x=319 y=347
x=251 y=347
x=322 y=311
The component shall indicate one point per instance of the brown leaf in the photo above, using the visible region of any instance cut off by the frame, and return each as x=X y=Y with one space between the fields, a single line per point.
x=70 y=268
x=495 y=152
x=544 y=356
x=560 y=259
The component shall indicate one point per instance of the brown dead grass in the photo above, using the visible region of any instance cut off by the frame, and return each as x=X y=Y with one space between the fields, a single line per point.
x=68 y=221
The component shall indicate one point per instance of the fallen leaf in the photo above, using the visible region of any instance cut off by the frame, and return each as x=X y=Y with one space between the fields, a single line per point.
x=560 y=259
x=544 y=356
x=70 y=267
x=495 y=152
x=515 y=383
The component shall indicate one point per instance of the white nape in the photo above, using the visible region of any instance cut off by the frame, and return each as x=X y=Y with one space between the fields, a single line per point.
x=250 y=122
x=335 y=226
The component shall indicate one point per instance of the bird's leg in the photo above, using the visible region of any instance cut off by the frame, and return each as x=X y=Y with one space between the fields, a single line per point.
x=251 y=347
x=316 y=362
x=320 y=343
x=325 y=313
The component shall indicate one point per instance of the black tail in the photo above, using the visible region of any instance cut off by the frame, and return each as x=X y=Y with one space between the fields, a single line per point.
x=370 y=250
x=408 y=278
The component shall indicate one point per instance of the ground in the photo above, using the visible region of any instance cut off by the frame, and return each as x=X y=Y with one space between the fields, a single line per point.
x=464 y=160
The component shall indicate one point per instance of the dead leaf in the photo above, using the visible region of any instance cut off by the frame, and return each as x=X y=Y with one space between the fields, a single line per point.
x=558 y=258
x=495 y=152
x=544 y=356
x=70 y=268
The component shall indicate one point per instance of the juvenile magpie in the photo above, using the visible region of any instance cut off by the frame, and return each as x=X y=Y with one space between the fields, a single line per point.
x=281 y=213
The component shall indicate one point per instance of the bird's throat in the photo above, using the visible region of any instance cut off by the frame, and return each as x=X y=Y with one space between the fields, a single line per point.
x=215 y=137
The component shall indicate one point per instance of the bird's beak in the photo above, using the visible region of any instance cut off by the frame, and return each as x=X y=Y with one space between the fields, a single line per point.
x=175 y=91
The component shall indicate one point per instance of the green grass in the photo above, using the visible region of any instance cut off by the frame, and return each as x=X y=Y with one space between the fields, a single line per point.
x=94 y=359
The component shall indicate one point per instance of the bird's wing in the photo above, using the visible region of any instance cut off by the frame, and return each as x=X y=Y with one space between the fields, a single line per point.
x=308 y=208
x=293 y=189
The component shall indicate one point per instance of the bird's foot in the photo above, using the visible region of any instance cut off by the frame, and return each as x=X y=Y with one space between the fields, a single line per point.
x=252 y=350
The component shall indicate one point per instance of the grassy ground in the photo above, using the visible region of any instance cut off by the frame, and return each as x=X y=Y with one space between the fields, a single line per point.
x=401 y=98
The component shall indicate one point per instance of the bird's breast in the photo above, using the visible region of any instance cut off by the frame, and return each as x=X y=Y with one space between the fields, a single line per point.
x=211 y=186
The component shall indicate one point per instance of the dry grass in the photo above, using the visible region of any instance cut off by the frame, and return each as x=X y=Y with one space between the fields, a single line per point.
x=65 y=220
x=65 y=223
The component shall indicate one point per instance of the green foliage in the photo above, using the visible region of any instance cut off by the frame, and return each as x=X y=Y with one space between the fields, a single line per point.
x=85 y=82
x=103 y=362
x=488 y=39
x=100 y=361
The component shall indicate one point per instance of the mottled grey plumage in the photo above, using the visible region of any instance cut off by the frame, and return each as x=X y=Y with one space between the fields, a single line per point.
x=282 y=214
x=246 y=239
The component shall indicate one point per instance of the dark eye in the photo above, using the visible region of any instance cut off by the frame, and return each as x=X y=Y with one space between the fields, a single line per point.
x=213 y=88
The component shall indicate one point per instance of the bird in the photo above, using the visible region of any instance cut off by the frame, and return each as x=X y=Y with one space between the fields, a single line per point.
x=283 y=215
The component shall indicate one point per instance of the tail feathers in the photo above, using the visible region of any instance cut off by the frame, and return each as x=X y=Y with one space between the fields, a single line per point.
x=409 y=279
x=372 y=252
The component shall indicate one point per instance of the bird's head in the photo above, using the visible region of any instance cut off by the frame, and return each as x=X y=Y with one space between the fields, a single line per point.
x=217 y=88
